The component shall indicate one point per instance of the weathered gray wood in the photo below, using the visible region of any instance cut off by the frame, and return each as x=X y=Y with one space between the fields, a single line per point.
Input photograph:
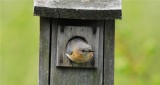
x=109 y=32
x=44 y=51
x=65 y=33
x=76 y=76
x=78 y=9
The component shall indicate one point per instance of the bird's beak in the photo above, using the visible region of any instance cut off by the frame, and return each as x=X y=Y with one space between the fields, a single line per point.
x=88 y=51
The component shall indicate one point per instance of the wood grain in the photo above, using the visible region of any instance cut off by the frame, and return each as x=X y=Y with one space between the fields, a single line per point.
x=109 y=32
x=44 y=51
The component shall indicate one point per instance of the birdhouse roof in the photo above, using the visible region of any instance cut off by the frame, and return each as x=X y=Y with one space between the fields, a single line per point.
x=78 y=9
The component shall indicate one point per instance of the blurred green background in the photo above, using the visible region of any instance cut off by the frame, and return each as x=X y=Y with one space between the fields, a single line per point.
x=137 y=43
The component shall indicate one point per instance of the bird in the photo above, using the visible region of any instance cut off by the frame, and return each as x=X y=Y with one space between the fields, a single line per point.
x=79 y=51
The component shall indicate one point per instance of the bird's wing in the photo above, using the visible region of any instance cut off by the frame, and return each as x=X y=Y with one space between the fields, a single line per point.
x=69 y=49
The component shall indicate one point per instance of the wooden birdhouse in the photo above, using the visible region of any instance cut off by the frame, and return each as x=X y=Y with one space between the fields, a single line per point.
x=91 y=21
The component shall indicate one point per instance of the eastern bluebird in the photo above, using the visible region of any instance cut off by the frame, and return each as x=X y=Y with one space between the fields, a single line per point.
x=79 y=51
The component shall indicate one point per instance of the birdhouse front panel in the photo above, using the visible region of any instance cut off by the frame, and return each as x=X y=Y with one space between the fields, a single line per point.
x=66 y=72
x=87 y=30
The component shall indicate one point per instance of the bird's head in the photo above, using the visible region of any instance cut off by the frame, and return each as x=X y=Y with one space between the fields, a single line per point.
x=84 y=49
x=79 y=51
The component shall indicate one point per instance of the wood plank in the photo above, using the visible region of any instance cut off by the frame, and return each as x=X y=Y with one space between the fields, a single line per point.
x=75 y=76
x=44 y=51
x=79 y=9
x=109 y=33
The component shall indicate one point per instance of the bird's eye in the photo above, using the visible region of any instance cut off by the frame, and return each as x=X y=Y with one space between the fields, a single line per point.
x=83 y=50
x=91 y=50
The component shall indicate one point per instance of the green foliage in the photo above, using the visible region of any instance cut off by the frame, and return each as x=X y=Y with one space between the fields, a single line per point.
x=19 y=43
x=137 y=46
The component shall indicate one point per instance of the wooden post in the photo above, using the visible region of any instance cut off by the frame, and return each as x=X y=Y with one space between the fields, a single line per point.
x=61 y=20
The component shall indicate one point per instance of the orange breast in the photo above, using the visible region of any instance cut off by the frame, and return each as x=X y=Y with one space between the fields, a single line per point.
x=77 y=56
x=80 y=58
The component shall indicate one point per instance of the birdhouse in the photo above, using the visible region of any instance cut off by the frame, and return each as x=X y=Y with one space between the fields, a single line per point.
x=77 y=41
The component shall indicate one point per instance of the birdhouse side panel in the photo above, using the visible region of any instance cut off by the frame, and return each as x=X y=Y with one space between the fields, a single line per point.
x=109 y=35
x=44 y=52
